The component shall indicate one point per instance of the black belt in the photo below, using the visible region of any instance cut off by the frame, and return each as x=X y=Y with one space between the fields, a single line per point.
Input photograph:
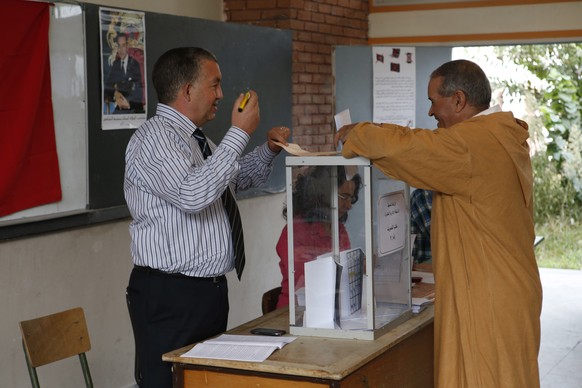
x=153 y=271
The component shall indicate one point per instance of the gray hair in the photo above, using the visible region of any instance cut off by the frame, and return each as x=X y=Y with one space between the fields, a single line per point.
x=468 y=77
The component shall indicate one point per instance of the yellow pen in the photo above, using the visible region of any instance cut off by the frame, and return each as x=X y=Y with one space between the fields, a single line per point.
x=243 y=103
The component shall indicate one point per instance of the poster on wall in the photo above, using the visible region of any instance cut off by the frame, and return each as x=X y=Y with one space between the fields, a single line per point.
x=394 y=74
x=123 y=68
x=392 y=216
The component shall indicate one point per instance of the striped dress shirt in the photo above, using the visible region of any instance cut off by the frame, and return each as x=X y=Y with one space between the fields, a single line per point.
x=174 y=195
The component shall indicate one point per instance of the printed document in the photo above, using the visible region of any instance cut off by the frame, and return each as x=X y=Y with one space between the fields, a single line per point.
x=252 y=348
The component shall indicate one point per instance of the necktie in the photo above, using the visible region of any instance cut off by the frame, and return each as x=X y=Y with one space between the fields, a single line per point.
x=123 y=66
x=231 y=209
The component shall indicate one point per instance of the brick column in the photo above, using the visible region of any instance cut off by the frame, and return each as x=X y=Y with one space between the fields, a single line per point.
x=317 y=26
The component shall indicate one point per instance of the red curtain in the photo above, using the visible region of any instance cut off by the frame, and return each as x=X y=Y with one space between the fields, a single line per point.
x=29 y=167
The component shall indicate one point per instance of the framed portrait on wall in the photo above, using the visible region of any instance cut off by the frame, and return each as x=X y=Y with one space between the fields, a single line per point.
x=123 y=68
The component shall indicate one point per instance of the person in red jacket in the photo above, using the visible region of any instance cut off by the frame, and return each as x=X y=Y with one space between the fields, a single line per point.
x=312 y=221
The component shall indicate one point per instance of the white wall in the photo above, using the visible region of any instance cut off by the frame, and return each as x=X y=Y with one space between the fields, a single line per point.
x=90 y=267
x=86 y=267
x=520 y=23
x=203 y=9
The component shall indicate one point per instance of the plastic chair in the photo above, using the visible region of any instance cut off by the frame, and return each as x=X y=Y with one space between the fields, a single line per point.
x=269 y=301
x=56 y=337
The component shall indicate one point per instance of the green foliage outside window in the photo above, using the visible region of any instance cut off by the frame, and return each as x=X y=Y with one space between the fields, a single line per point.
x=546 y=81
x=554 y=93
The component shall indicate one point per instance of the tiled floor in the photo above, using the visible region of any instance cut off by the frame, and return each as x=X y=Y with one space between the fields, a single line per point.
x=560 y=357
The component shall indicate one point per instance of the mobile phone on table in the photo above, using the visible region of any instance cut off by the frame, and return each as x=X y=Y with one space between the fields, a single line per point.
x=266 y=331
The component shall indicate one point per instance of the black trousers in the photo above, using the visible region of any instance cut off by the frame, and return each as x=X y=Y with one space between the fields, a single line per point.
x=169 y=311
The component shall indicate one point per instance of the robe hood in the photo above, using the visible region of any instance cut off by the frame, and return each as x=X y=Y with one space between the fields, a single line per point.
x=512 y=134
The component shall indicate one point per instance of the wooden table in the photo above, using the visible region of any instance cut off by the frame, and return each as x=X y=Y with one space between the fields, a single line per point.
x=401 y=358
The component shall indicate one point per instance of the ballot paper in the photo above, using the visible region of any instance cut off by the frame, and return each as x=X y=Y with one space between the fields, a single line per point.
x=252 y=348
x=320 y=291
x=341 y=119
x=296 y=150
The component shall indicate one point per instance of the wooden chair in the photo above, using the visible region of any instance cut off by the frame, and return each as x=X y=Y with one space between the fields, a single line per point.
x=270 y=298
x=56 y=337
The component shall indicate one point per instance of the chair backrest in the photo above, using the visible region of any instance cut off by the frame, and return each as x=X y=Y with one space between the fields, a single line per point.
x=270 y=299
x=56 y=337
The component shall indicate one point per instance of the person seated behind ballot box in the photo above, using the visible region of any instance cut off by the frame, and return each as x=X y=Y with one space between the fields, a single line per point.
x=312 y=221
x=420 y=211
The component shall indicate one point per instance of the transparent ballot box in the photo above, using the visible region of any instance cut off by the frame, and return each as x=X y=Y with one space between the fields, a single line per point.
x=348 y=233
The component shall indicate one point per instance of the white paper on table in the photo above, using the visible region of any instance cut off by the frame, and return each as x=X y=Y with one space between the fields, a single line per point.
x=231 y=352
x=239 y=347
x=419 y=304
x=255 y=340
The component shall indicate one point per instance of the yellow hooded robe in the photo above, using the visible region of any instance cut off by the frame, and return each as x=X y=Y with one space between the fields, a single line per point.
x=488 y=290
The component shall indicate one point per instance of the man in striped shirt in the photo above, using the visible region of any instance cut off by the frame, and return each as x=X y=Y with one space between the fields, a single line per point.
x=181 y=236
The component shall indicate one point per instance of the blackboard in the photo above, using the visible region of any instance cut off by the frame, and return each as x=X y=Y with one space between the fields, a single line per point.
x=249 y=57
